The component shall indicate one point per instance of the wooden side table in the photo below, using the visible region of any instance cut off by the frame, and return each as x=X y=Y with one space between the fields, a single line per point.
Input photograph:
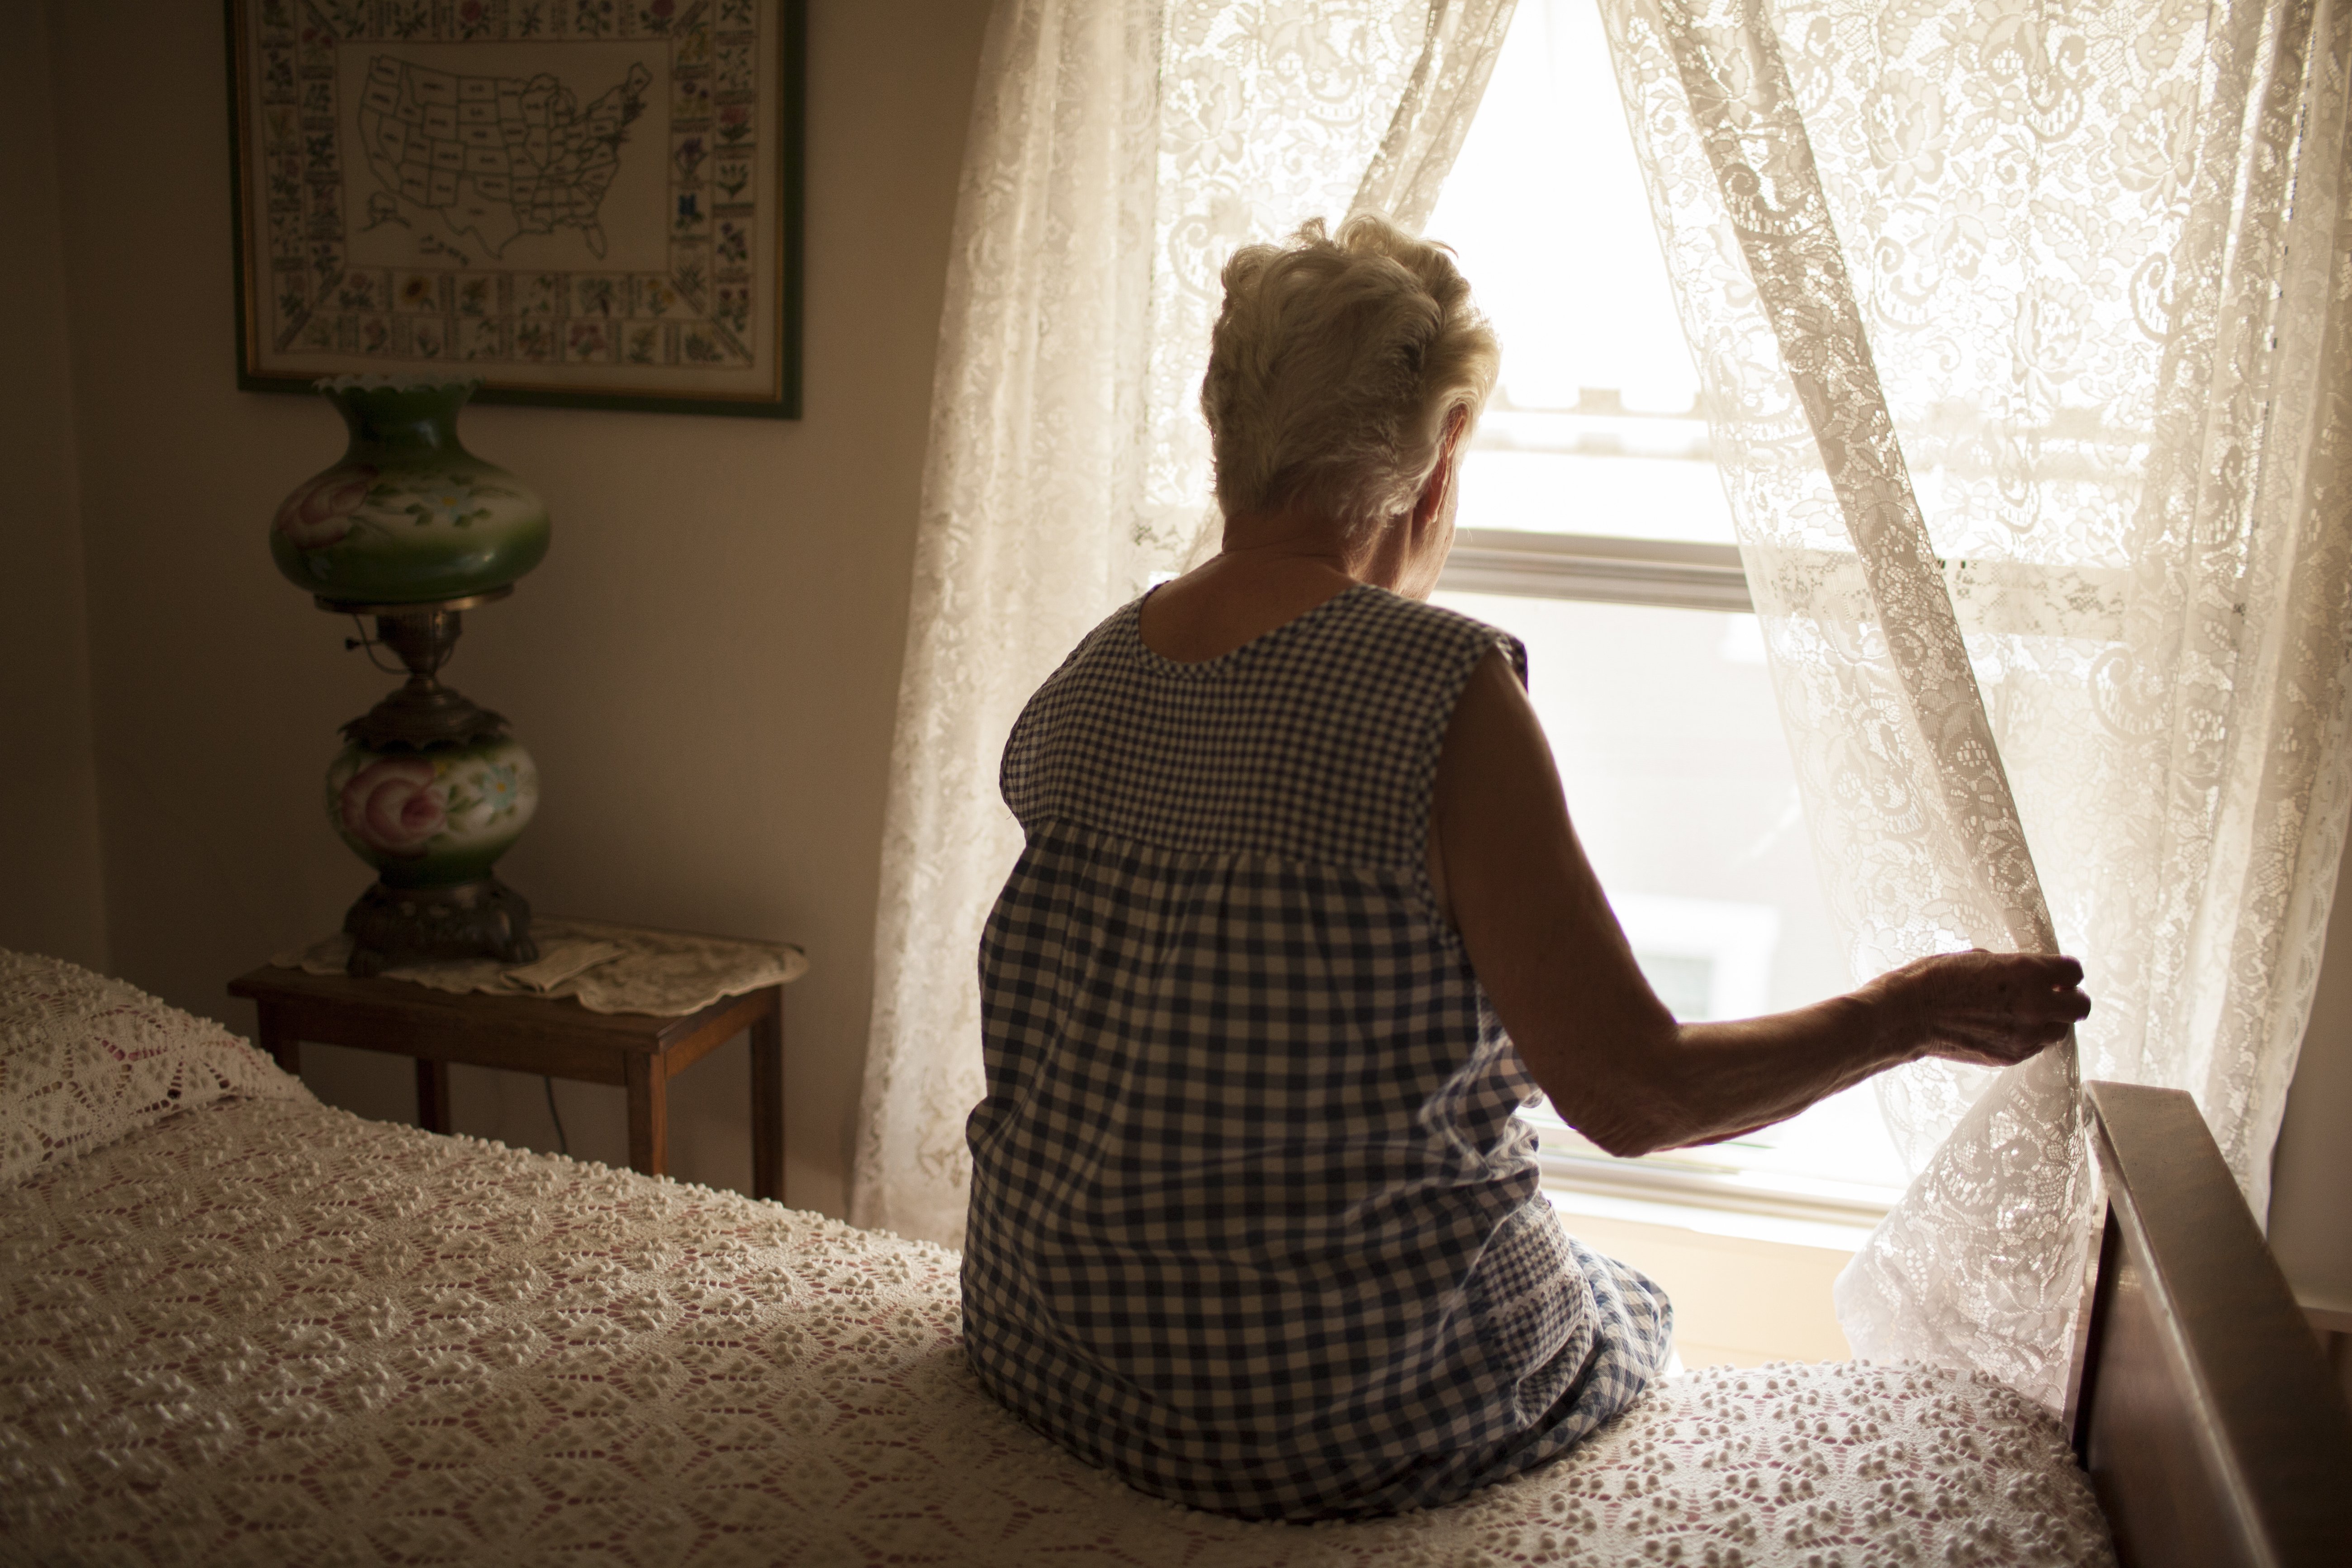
x=557 y=1037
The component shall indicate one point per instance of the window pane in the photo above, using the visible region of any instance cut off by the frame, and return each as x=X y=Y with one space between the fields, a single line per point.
x=1594 y=427
x=1535 y=491
x=1669 y=746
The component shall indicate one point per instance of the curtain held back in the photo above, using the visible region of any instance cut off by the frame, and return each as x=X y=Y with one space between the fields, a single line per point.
x=2015 y=321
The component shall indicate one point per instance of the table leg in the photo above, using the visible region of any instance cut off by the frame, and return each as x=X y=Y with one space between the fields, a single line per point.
x=768 y=1101
x=282 y=1046
x=432 y=1095
x=648 y=1114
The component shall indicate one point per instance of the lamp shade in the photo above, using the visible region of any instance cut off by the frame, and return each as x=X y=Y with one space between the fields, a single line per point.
x=407 y=515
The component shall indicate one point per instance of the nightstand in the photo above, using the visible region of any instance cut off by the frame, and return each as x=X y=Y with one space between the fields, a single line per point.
x=556 y=1036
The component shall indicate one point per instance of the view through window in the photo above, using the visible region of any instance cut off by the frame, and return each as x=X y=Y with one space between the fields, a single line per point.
x=1594 y=527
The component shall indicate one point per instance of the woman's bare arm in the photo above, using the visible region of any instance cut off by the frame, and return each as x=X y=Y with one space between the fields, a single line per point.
x=1616 y=1065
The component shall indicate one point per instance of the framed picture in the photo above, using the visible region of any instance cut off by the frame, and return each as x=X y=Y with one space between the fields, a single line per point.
x=589 y=202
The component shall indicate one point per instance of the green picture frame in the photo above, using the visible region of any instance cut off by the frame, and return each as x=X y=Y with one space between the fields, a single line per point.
x=586 y=204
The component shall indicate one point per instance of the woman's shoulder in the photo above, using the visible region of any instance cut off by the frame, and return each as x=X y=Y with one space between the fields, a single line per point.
x=1362 y=623
x=1111 y=635
x=1416 y=627
x=1315 y=741
x=1378 y=603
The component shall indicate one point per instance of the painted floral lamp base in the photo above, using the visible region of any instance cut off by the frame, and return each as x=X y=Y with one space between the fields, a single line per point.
x=481 y=919
x=431 y=791
x=433 y=820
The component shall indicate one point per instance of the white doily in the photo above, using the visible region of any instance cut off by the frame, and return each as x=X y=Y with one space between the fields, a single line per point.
x=610 y=968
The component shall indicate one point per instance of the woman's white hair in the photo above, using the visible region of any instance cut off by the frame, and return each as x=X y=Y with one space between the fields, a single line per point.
x=1335 y=368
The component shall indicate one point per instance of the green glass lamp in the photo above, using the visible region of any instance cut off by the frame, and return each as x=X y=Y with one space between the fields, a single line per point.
x=410 y=529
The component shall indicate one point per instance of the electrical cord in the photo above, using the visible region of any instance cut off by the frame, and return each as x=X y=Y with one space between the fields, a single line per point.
x=563 y=1144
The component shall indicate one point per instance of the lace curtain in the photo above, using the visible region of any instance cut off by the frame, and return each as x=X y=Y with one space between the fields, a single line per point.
x=1119 y=150
x=2028 y=321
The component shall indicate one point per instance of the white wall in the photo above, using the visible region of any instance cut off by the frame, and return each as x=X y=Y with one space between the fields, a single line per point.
x=50 y=894
x=704 y=667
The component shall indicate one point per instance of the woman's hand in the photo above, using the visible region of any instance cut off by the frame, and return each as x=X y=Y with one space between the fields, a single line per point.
x=1993 y=1009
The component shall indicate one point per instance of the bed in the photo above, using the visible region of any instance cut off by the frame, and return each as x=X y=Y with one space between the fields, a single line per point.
x=239 y=1326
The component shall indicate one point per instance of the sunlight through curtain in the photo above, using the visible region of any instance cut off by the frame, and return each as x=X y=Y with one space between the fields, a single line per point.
x=1119 y=150
x=2026 y=322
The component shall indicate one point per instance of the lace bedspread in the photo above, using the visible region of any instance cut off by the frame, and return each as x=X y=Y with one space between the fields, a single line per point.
x=238 y=1326
x=271 y=1331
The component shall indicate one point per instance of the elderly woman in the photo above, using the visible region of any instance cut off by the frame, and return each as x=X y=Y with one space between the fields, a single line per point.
x=1301 y=921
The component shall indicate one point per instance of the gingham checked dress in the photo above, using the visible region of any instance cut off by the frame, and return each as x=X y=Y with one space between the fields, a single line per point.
x=1252 y=1225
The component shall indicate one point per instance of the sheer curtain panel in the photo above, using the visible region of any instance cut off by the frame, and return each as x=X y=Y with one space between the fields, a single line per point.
x=2024 y=327
x=1119 y=150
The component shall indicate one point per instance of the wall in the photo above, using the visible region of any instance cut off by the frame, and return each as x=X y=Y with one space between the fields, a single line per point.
x=1738 y=1300
x=705 y=667
x=49 y=880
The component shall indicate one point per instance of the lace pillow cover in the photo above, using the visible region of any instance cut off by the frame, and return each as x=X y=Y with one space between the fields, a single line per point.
x=85 y=1060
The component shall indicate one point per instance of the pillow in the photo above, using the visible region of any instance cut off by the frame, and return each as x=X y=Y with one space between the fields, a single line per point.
x=85 y=1060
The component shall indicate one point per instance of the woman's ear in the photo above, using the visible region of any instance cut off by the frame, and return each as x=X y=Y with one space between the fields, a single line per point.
x=1433 y=490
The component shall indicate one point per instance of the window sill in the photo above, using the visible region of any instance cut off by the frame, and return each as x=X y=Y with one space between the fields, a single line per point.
x=1783 y=1212
x=1607 y=569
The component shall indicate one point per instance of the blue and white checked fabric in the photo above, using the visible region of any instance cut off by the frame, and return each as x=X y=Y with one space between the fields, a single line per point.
x=1252 y=1225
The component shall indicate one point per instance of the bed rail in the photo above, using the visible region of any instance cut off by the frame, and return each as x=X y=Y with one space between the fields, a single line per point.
x=2203 y=1410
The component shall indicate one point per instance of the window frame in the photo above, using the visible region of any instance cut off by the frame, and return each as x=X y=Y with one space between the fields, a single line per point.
x=1608 y=569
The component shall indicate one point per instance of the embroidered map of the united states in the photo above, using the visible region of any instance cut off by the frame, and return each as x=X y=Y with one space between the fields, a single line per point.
x=494 y=156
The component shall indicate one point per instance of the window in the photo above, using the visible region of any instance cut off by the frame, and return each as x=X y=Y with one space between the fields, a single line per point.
x=1594 y=527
